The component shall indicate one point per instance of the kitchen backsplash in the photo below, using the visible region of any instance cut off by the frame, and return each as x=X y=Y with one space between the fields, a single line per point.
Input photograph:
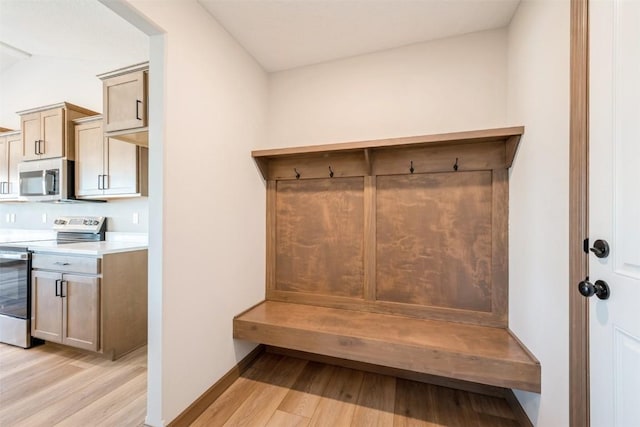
x=122 y=214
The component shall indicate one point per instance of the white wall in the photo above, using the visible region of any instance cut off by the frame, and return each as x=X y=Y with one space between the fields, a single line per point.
x=213 y=199
x=539 y=192
x=445 y=85
x=45 y=80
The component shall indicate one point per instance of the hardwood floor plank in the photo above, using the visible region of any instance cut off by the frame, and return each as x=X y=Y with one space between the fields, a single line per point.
x=304 y=396
x=80 y=379
x=107 y=410
x=39 y=397
x=376 y=401
x=16 y=387
x=285 y=419
x=338 y=401
x=415 y=405
x=259 y=407
x=229 y=401
x=58 y=386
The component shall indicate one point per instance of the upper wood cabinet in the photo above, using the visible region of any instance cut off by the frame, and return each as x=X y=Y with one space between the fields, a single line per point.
x=125 y=103
x=107 y=167
x=47 y=132
x=10 y=156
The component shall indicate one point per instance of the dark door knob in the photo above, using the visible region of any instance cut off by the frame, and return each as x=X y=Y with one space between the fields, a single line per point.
x=599 y=289
x=600 y=248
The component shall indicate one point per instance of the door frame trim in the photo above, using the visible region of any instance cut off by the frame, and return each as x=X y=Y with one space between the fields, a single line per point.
x=579 y=404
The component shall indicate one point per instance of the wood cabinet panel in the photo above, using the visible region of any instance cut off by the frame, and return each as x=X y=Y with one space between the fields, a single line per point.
x=125 y=101
x=434 y=239
x=319 y=234
x=46 y=306
x=107 y=166
x=30 y=124
x=121 y=167
x=10 y=156
x=81 y=312
x=47 y=132
x=90 y=164
x=67 y=263
x=53 y=133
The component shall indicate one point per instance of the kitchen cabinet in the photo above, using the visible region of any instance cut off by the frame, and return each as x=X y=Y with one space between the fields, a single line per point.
x=47 y=132
x=108 y=167
x=94 y=303
x=10 y=156
x=125 y=103
x=66 y=308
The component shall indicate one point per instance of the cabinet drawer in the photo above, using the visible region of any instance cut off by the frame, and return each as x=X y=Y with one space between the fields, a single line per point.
x=64 y=263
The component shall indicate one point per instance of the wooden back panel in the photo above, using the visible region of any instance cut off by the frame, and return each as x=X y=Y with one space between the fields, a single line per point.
x=434 y=240
x=319 y=229
x=378 y=237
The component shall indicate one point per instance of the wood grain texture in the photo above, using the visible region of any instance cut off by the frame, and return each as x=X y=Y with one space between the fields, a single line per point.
x=305 y=394
x=338 y=402
x=319 y=234
x=385 y=307
x=434 y=240
x=500 y=246
x=477 y=388
x=439 y=158
x=370 y=238
x=467 y=352
x=579 y=397
x=271 y=243
x=376 y=401
x=312 y=167
x=476 y=136
x=55 y=385
x=348 y=397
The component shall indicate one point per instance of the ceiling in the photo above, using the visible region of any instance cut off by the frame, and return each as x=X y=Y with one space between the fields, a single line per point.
x=283 y=34
x=279 y=34
x=70 y=29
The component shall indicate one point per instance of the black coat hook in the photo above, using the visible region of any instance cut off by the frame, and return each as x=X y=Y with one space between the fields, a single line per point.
x=330 y=172
x=411 y=169
x=455 y=166
x=297 y=173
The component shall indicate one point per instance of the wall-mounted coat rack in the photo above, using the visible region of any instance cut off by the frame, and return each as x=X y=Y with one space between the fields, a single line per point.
x=399 y=245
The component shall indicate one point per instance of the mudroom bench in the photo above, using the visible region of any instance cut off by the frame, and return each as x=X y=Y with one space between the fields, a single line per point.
x=393 y=253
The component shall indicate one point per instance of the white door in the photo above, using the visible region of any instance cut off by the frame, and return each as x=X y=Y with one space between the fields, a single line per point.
x=614 y=211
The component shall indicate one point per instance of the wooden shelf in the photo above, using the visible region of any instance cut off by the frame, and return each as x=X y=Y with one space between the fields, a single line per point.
x=358 y=157
x=479 y=354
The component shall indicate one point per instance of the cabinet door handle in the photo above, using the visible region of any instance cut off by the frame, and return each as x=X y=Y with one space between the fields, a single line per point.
x=61 y=263
x=2 y=190
x=62 y=284
x=138 y=103
x=41 y=147
x=99 y=182
x=35 y=146
x=105 y=182
x=58 y=281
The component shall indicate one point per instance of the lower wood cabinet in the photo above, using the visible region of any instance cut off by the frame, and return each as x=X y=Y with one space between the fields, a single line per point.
x=97 y=304
x=66 y=309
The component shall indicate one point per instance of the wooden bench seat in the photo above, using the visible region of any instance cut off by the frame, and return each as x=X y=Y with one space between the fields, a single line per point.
x=480 y=354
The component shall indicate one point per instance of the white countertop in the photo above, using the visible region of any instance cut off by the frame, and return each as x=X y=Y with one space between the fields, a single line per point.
x=116 y=242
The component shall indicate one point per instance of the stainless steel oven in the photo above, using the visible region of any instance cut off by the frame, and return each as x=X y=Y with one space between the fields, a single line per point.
x=15 y=296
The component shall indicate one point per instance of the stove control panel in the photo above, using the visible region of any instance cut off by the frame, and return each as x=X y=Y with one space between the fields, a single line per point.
x=86 y=224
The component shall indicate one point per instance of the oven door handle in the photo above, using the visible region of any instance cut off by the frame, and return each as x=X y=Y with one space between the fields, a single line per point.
x=22 y=255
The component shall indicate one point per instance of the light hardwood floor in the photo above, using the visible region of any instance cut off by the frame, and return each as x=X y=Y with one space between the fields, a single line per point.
x=55 y=386
x=280 y=391
x=49 y=385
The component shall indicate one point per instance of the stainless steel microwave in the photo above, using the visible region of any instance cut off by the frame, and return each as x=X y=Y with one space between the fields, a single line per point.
x=46 y=180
